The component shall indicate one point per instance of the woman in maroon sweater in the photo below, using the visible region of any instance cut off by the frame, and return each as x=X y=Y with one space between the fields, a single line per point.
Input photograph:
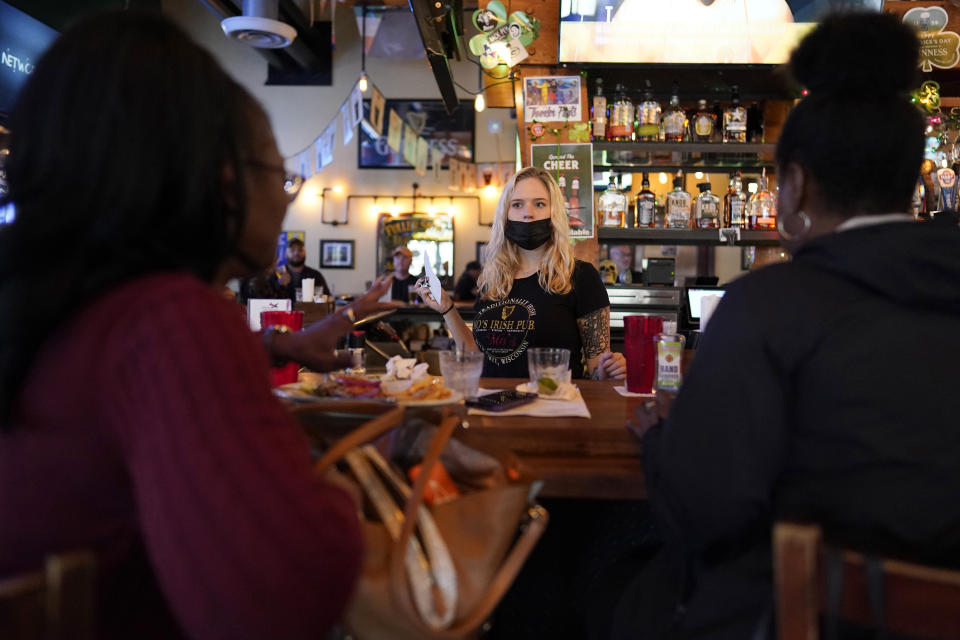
x=136 y=417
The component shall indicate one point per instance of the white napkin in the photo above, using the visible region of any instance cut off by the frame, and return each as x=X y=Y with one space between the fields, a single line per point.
x=576 y=408
x=630 y=394
x=405 y=369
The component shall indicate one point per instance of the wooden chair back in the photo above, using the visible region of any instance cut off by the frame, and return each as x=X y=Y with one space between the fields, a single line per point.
x=56 y=603
x=898 y=597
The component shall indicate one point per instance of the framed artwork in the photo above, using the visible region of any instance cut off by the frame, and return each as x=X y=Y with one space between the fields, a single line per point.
x=450 y=135
x=336 y=254
x=481 y=247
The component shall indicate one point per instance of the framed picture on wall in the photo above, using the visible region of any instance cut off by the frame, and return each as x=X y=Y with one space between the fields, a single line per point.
x=481 y=247
x=450 y=135
x=336 y=254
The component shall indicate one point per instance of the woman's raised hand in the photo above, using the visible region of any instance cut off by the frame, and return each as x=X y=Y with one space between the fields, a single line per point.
x=423 y=290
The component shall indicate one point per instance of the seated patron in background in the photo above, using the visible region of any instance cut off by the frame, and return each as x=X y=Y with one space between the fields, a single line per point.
x=402 y=280
x=533 y=293
x=818 y=391
x=622 y=256
x=269 y=283
x=466 y=287
x=136 y=417
x=296 y=270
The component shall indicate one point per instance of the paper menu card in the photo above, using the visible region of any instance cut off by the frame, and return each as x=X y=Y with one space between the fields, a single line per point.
x=432 y=280
x=255 y=306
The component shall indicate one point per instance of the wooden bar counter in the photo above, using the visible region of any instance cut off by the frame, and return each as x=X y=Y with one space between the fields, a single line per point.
x=592 y=458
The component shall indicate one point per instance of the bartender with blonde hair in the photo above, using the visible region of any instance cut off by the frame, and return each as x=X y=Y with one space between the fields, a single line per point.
x=532 y=292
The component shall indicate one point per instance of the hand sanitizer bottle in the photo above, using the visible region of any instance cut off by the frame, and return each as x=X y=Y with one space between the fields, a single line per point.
x=669 y=356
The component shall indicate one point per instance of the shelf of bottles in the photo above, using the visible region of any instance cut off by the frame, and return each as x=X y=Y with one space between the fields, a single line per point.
x=747 y=237
x=675 y=156
x=632 y=134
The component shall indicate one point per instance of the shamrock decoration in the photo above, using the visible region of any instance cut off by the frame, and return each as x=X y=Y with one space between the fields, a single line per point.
x=938 y=48
x=580 y=132
x=928 y=96
x=497 y=32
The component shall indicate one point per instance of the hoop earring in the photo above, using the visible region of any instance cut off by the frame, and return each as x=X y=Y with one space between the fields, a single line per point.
x=786 y=235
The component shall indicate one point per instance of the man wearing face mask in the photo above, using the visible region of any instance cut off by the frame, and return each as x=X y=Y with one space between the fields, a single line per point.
x=532 y=292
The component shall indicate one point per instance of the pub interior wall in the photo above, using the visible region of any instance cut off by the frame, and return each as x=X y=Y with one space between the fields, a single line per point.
x=299 y=114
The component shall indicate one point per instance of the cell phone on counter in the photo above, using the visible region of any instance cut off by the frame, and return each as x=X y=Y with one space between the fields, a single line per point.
x=501 y=400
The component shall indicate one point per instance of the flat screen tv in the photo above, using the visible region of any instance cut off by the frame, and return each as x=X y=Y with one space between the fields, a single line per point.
x=22 y=41
x=690 y=31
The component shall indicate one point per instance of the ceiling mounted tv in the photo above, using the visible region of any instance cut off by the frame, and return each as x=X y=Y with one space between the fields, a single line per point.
x=690 y=31
x=441 y=25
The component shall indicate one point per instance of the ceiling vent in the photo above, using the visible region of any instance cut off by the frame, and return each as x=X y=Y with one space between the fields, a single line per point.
x=259 y=27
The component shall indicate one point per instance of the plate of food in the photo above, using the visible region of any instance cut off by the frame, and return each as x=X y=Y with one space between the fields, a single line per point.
x=427 y=391
x=318 y=387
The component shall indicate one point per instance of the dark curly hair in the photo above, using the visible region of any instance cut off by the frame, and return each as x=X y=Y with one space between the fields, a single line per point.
x=857 y=133
x=120 y=142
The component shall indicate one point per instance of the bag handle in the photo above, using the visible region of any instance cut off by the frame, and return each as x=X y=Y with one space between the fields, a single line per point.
x=504 y=576
x=365 y=433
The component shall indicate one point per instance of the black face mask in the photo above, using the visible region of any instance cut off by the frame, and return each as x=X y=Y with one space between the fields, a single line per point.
x=529 y=235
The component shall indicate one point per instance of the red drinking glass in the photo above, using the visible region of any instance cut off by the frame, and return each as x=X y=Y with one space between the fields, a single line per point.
x=640 y=351
x=294 y=320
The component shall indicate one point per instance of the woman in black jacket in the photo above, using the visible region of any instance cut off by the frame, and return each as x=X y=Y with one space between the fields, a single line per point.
x=817 y=392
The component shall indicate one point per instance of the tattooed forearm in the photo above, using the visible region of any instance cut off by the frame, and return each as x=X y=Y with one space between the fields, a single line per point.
x=595 y=332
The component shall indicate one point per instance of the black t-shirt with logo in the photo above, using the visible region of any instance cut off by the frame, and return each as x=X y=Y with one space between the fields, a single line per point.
x=531 y=317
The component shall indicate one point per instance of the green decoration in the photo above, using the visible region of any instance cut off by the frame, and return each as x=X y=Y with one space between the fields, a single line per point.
x=938 y=48
x=580 y=132
x=497 y=30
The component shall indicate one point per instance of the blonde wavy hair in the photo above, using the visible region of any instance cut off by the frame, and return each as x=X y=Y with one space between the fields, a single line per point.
x=502 y=257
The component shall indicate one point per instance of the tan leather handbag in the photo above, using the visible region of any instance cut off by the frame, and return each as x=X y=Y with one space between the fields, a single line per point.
x=406 y=589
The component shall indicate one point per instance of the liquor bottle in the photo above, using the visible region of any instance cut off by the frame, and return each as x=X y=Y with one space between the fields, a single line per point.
x=678 y=206
x=704 y=123
x=755 y=123
x=648 y=117
x=598 y=113
x=917 y=200
x=734 y=203
x=613 y=206
x=674 y=120
x=620 y=120
x=646 y=204
x=706 y=208
x=735 y=119
x=762 y=207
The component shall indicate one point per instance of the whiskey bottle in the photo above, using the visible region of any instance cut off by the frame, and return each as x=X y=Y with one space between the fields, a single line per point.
x=612 y=205
x=735 y=119
x=704 y=123
x=674 y=120
x=762 y=207
x=734 y=203
x=646 y=204
x=755 y=123
x=648 y=117
x=620 y=120
x=678 y=206
x=598 y=113
x=706 y=208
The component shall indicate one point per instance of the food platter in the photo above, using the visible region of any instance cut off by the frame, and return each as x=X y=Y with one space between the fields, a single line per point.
x=427 y=391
